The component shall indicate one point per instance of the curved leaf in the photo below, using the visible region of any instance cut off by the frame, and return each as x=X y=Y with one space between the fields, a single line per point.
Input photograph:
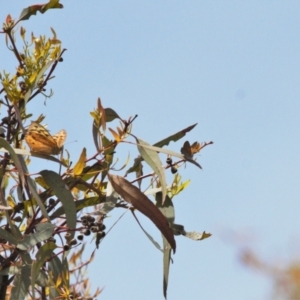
x=44 y=253
x=134 y=196
x=166 y=265
x=152 y=159
x=21 y=284
x=174 y=137
x=63 y=193
x=44 y=231
x=33 y=9
x=17 y=159
x=35 y=195
x=196 y=236
x=78 y=168
x=168 y=211
x=79 y=204
x=110 y=114
x=6 y=235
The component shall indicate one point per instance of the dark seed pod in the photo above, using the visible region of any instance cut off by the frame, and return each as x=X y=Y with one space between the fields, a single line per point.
x=101 y=227
x=73 y=242
x=17 y=219
x=60 y=59
x=80 y=237
x=66 y=247
x=169 y=161
x=94 y=229
x=173 y=170
x=83 y=217
x=101 y=234
x=90 y=219
x=51 y=201
x=87 y=232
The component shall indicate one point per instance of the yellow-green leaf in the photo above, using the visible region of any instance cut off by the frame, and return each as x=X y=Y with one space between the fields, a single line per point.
x=78 y=168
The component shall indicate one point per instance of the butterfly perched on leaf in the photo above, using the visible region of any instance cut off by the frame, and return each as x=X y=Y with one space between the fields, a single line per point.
x=188 y=152
x=41 y=141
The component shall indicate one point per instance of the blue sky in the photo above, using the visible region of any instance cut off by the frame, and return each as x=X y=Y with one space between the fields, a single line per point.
x=232 y=67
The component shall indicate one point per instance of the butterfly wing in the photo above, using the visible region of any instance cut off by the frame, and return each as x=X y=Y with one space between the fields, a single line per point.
x=40 y=140
x=60 y=138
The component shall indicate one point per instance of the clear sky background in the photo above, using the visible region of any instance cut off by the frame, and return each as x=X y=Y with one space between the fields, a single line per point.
x=232 y=67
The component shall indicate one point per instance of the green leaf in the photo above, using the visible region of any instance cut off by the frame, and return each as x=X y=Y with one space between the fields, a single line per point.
x=12 y=270
x=196 y=236
x=167 y=208
x=96 y=137
x=134 y=196
x=168 y=211
x=6 y=235
x=174 y=137
x=61 y=190
x=158 y=147
x=152 y=240
x=79 y=204
x=111 y=114
x=55 y=267
x=17 y=159
x=78 y=168
x=166 y=265
x=152 y=159
x=44 y=231
x=44 y=253
x=35 y=195
x=42 y=8
x=36 y=80
x=21 y=284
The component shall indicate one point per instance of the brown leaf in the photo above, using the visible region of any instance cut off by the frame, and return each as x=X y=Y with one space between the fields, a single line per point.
x=134 y=196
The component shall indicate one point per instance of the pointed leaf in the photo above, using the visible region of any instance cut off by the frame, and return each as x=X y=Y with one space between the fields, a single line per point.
x=44 y=232
x=35 y=195
x=152 y=240
x=102 y=115
x=166 y=265
x=111 y=115
x=63 y=193
x=33 y=9
x=44 y=253
x=166 y=208
x=78 y=168
x=152 y=159
x=96 y=136
x=168 y=211
x=115 y=135
x=134 y=196
x=175 y=137
x=17 y=159
x=21 y=284
x=6 y=235
x=79 y=204
x=196 y=236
